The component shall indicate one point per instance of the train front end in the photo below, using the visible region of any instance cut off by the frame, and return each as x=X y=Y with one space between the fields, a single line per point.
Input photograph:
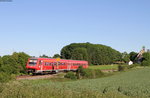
x=32 y=65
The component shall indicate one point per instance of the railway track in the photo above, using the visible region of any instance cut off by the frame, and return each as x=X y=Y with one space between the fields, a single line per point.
x=31 y=77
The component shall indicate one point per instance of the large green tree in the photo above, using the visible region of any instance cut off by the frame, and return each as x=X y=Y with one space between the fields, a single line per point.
x=79 y=54
x=96 y=54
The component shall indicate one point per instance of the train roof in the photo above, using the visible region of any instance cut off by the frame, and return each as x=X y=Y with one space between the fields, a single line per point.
x=55 y=59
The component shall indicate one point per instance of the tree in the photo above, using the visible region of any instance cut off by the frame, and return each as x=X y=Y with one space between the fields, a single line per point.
x=1 y=62
x=14 y=63
x=9 y=65
x=44 y=56
x=125 y=57
x=56 y=56
x=146 y=59
x=21 y=58
x=79 y=54
x=133 y=56
x=96 y=54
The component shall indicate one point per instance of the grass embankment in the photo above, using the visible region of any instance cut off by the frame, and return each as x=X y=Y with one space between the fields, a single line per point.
x=133 y=83
x=104 y=67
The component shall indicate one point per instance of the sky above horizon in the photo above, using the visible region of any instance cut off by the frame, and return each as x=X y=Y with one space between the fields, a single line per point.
x=39 y=27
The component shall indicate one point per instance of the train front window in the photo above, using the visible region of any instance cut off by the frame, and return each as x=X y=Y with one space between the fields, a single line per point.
x=32 y=62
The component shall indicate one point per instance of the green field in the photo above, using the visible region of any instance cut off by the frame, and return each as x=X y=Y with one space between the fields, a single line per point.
x=104 y=67
x=130 y=84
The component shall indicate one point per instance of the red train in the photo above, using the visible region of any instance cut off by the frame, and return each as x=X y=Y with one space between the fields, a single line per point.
x=48 y=65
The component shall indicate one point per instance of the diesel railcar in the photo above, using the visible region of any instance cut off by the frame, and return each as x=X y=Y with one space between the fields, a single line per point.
x=48 y=65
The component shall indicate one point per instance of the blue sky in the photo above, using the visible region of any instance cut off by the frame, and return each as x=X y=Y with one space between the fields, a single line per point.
x=45 y=26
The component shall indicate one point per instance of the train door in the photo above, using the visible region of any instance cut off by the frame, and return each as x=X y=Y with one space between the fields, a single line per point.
x=69 y=66
x=41 y=65
x=55 y=67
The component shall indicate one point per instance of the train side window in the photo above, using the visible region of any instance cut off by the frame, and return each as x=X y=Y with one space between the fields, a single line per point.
x=46 y=63
x=55 y=63
x=62 y=63
x=59 y=63
x=52 y=63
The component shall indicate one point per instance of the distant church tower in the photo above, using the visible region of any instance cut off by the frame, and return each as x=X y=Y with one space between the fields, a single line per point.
x=140 y=55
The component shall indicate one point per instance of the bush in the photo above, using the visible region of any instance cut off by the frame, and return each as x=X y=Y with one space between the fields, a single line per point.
x=84 y=73
x=80 y=72
x=122 y=67
x=133 y=65
x=92 y=73
x=125 y=67
x=70 y=75
x=98 y=73
x=88 y=73
x=145 y=63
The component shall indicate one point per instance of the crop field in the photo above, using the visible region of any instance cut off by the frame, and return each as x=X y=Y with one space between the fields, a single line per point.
x=105 y=67
x=134 y=83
